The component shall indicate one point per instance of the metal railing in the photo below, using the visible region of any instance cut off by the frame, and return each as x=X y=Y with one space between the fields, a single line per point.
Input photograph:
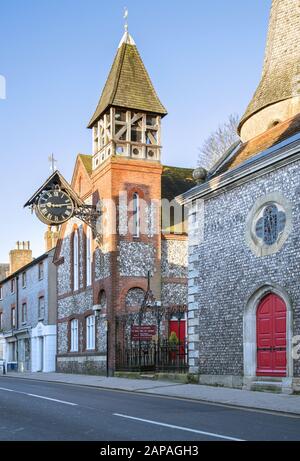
x=152 y=356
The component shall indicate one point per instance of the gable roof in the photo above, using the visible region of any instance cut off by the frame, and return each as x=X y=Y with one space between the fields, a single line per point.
x=128 y=84
x=87 y=162
x=54 y=179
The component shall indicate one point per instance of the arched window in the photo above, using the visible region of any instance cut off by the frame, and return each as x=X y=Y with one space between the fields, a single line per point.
x=74 y=335
x=75 y=260
x=136 y=215
x=89 y=258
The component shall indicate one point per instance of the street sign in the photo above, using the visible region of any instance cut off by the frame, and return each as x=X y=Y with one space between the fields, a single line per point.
x=143 y=332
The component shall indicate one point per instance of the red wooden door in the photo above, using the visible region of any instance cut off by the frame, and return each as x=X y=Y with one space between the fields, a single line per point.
x=271 y=337
x=178 y=328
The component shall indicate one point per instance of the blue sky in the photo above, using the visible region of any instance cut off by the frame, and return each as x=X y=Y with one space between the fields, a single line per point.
x=204 y=58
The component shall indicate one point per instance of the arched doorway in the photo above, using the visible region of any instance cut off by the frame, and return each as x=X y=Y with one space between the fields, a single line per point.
x=271 y=336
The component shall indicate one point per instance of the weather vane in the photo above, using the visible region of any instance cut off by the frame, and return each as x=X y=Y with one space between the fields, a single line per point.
x=52 y=162
x=126 y=18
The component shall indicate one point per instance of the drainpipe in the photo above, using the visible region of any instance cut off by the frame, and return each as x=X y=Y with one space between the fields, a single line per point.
x=17 y=318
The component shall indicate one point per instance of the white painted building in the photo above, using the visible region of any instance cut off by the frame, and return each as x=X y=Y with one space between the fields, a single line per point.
x=28 y=314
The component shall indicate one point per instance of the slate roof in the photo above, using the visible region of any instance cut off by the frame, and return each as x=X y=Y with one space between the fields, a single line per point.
x=176 y=181
x=128 y=85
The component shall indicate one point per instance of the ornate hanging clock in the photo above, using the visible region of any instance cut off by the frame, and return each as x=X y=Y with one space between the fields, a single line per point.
x=55 y=202
x=54 y=206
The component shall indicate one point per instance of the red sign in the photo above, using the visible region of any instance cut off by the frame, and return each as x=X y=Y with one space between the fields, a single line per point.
x=143 y=332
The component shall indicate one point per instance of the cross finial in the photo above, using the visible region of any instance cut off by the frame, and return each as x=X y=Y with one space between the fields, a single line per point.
x=52 y=162
x=126 y=18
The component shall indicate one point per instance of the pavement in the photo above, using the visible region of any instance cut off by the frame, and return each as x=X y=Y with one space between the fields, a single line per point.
x=266 y=401
x=40 y=410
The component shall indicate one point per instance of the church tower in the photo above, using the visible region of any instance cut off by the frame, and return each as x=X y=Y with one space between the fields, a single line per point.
x=277 y=97
x=127 y=119
x=126 y=177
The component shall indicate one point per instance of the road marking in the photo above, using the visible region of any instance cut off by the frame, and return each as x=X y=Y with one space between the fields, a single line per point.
x=4 y=389
x=39 y=396
x=181 y=428
x=53 y=400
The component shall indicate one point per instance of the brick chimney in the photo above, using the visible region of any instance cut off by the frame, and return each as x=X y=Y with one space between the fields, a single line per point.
x=51 y=237
x=20 y=256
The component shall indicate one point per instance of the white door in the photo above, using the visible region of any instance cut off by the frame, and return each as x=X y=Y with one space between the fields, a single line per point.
x=41 y=353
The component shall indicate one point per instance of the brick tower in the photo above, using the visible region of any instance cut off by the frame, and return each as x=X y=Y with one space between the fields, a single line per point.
x=102 y=282
x=277 y=97
x=127 y=173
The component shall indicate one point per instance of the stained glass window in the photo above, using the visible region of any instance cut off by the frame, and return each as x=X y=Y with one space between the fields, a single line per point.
x=271 y=224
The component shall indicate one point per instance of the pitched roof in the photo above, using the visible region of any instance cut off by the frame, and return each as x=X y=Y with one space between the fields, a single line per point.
x=87 y=162
x=176 y=181
x=270 y=138
x=128 y=84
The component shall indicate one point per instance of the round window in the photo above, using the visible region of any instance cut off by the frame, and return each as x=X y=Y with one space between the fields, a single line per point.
x=269 y=224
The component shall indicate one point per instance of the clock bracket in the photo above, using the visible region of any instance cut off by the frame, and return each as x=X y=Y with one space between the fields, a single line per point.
x=89 y=214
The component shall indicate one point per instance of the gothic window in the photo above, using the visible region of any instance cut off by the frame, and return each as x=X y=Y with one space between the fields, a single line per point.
x=75 y=260
x=88 y=256
x=271 y=224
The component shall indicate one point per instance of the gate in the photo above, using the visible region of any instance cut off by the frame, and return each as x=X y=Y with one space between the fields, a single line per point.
x=140 y=345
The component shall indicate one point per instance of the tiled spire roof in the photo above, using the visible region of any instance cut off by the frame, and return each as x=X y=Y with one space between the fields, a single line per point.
x=281 y=72
x=128 y=84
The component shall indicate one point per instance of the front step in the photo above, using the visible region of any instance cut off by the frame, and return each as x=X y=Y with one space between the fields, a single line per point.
x=267 y=386
x=276 y=385
x=272 y=379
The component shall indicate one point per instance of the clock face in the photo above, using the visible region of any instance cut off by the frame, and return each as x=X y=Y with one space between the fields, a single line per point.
x=54 y=207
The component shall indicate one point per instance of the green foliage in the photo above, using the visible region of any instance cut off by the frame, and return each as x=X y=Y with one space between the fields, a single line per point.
x=173 y=339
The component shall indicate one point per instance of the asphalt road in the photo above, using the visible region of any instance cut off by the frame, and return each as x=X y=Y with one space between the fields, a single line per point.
x=40 y=411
